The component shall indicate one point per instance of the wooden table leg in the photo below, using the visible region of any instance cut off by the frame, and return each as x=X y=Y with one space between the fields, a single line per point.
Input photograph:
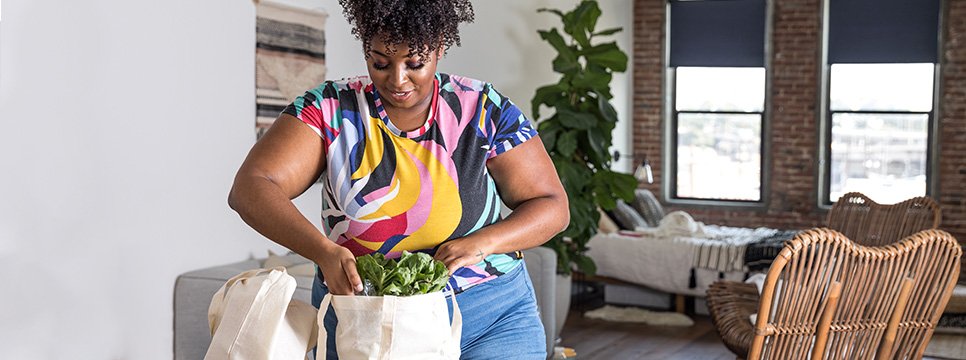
x=679 y=305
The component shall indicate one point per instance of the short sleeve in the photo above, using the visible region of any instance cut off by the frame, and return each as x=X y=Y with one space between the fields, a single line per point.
x=316 y=108
x=511 y=129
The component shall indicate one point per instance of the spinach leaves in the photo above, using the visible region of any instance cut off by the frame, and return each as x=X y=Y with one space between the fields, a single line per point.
x=413 y=274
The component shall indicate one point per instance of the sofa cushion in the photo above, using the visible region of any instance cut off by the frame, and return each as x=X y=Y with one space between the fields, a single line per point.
x=295 y=264
x=541 y=263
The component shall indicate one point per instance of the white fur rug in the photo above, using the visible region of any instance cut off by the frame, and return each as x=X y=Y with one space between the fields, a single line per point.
x=638 y=315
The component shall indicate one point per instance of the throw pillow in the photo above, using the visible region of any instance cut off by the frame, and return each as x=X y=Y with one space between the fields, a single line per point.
x=606 y=225
x=626 y=217
x=646 y=204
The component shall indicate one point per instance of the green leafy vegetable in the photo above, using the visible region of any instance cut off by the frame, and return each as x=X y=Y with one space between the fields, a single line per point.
x=412 y=274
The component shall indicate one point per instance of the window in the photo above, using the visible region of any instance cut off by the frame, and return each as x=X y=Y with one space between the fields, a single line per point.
x=718 y=116
x=881 y=71
x=717 y=86
x=880 y=116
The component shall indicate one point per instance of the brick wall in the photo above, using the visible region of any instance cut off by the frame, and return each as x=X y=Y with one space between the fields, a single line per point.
x=792 y=187
x=648 y=67
x=952 y=122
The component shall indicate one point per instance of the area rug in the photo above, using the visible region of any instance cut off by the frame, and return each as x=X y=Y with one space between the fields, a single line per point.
x=638 y=315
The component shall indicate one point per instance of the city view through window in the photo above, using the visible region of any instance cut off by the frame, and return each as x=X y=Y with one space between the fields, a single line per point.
x=880 y=130
x=719 y=117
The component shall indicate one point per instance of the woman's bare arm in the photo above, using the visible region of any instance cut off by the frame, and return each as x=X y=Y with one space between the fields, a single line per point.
x=284 y=163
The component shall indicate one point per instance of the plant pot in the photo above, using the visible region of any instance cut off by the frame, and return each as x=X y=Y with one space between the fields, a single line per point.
x=562 y=306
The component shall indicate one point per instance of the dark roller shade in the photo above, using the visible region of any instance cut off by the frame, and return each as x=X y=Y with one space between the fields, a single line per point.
x=718 y=33
x=883 y=31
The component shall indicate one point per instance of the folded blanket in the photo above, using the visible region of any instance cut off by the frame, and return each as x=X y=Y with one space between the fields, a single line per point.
x=759 y=255
x=724 y=248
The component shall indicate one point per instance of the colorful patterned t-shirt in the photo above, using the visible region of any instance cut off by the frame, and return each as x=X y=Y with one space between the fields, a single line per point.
x=387 y=190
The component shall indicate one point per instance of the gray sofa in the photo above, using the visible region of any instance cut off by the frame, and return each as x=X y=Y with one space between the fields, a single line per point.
x=193 y=291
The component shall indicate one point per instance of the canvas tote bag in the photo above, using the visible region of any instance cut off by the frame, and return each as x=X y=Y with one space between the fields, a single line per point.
x=393 y=327
x=254 y=317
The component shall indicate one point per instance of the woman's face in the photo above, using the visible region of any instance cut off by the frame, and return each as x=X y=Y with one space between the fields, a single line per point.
x=404 y=81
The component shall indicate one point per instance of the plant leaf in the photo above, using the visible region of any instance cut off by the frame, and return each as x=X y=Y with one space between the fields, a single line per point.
x=567 y=143
x=607 y=111
x=574 y=179
x=549 y=131
x=566 y=59
x=584 y=21
x=592 y=79
x=553 y=37
x=599 y=145
x=604 y=199
x=607 y=55
x=576 y=120
x=610 y=31
x=565 y=64
x=622 y=185
x=585 y=264
x=546 y=95
x=555 y=11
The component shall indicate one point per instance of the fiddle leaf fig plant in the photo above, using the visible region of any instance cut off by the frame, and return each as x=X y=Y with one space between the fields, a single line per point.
x=578 y=134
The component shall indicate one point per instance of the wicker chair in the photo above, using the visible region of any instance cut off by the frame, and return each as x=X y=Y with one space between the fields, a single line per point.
x=826 y=297
x=868 y=223
x=854 y=215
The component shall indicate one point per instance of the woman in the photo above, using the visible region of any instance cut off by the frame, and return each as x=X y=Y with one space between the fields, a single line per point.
x=413 y=160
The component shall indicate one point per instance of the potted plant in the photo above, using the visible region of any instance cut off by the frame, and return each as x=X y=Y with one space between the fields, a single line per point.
x=578 y=135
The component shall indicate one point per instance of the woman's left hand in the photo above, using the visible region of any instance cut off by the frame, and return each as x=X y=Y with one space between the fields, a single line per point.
x=461 y=252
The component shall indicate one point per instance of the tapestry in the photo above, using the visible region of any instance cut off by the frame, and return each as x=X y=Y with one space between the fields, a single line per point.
x=289 y=57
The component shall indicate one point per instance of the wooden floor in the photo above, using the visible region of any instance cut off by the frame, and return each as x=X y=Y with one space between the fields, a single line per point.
x=597 y=339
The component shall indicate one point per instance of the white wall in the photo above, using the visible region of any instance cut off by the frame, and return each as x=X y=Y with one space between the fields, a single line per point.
x=125 y=122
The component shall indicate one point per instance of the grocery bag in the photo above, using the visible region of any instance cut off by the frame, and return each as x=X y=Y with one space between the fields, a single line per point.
x=254 y=317
x=393 y=327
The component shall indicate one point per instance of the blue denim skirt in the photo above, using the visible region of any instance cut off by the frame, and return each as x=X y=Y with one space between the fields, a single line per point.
x=500 y=319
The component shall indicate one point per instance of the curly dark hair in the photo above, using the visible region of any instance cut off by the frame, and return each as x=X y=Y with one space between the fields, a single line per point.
x=425 y=25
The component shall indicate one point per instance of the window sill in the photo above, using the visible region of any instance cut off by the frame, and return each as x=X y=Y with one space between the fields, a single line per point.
x=717 y=204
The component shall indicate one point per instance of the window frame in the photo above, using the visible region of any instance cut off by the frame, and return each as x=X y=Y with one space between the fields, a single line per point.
x=669 y=130
x=824 y=147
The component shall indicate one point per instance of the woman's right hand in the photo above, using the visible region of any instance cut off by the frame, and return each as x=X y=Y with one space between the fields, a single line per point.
x=339 y=269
